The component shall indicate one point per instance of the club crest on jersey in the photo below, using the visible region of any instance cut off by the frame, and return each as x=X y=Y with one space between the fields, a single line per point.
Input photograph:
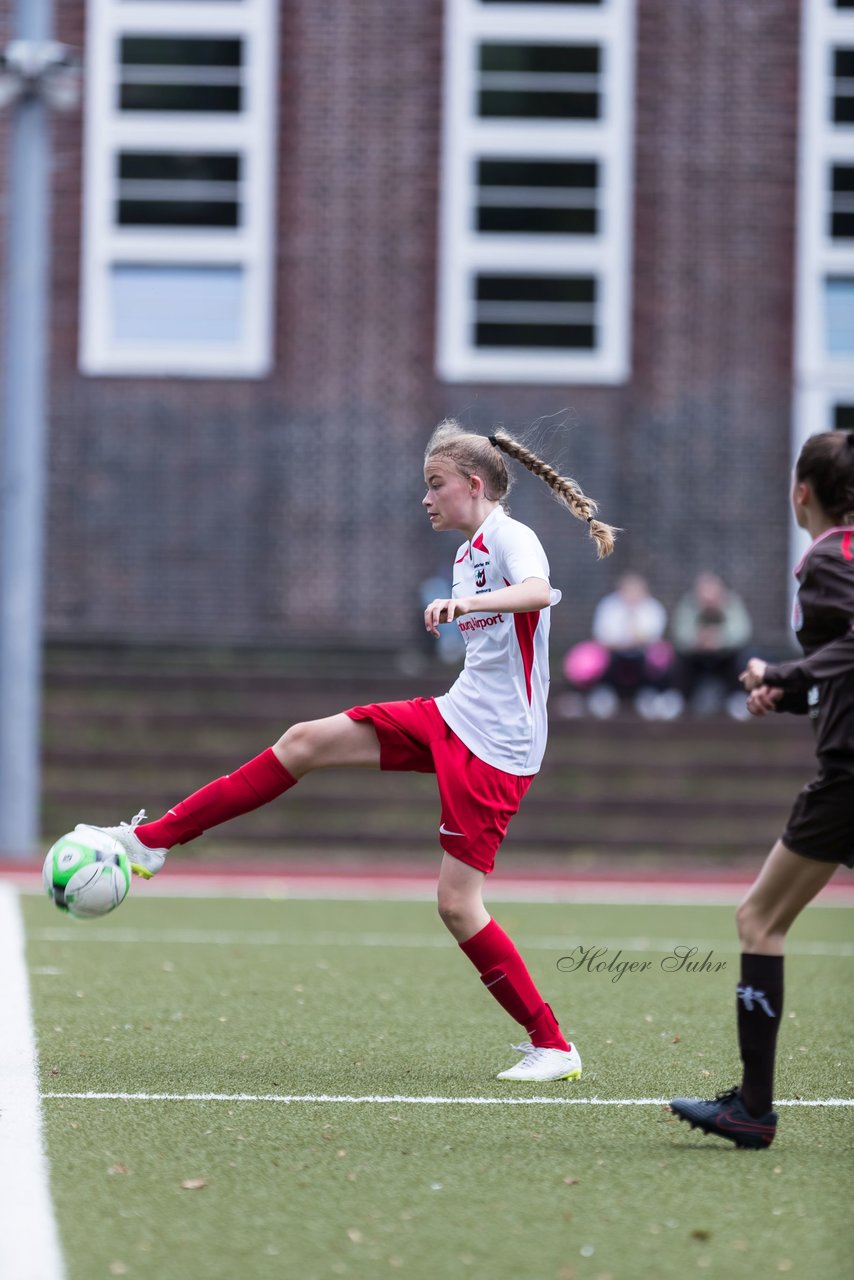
x=480 y=576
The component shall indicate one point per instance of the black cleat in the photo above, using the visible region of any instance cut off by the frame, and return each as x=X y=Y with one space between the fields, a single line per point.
x=727 y=1116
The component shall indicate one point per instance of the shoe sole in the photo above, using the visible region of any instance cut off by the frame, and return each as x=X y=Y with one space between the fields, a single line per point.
x=570 y=1075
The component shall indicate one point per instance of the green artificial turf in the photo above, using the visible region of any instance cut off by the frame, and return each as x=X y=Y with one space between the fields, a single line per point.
x=287 y=998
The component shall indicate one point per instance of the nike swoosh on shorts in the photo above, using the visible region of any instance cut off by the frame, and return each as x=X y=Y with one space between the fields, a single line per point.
x=443 y=831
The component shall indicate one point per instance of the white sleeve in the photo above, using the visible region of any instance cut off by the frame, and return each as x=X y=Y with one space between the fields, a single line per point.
x=521 y=556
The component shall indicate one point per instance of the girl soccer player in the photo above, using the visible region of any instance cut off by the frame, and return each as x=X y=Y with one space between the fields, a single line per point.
x=484 y=739
x=820 y=832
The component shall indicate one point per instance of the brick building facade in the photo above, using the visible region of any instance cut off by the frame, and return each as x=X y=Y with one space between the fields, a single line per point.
x=283 y=508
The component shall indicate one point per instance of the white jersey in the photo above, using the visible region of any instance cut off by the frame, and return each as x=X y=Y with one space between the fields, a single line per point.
x=497 y=705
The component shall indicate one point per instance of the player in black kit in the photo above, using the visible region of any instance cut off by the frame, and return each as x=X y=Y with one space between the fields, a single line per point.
x=820 y=831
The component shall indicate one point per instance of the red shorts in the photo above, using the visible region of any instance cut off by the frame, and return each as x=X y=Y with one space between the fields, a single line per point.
x=478 y=800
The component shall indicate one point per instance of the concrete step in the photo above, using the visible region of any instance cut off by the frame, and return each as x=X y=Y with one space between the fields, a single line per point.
x=148 y=726
x=649 y=786
x=122 y=731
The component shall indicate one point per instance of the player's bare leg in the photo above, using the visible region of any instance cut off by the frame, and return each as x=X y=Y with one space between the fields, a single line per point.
x=546 y=1056
x=460 y=898
x=314 y=744
x=786 y=884
x=330 y=743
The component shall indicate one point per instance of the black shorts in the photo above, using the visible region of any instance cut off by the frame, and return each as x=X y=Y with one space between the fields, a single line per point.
x=821 y=824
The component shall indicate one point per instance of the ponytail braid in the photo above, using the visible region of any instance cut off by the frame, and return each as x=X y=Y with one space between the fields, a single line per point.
x=565 y=489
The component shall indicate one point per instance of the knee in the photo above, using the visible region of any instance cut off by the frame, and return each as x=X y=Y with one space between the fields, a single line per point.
x=448 y=905
x=296 y=748
x=756 y=930
x=747 y=925
x=455 y=911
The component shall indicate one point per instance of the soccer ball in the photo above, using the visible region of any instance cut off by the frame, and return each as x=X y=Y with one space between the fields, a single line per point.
x=86 y=874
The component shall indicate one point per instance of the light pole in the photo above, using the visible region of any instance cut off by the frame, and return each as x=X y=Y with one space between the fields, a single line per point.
x=35 y=73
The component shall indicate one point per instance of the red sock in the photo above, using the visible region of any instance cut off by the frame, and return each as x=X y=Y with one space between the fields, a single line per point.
x=503 y=973
x=256 y=783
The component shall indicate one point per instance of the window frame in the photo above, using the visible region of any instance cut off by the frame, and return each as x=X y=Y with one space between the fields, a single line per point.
x=108 y=132
x=468 y=138
x=821 y=379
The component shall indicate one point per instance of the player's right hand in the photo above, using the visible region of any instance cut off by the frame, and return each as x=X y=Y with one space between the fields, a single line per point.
x=442 y=610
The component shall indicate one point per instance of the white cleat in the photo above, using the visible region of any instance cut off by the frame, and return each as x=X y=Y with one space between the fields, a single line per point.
x=544 y=1064
x=144 y=862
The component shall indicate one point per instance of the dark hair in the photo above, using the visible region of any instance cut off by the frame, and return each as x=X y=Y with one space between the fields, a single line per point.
x=826 y=462
x=472 y=453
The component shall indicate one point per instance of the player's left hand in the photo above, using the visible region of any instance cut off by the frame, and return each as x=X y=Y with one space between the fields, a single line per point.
x=754 y=674
x=442 y=610
x=763 y=700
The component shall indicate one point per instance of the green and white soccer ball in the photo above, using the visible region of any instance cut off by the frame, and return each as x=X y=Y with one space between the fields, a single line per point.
x=86 y=873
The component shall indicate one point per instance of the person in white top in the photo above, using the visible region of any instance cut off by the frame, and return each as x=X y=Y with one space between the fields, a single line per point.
x=498 y=703
x=629 y=624
x=484 y=739
x=629 y=619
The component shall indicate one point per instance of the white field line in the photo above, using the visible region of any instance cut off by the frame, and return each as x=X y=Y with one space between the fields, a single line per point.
x=29 y=1242
x=404 y=1099
x=85 y=931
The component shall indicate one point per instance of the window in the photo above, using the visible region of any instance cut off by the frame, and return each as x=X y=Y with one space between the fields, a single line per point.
x=178 y=192
x=842 y=201
x=535 y=311
x=824 y=322
x=539 y=81
x=167 y=303
x=536 y=191
x=165 y=73
x=175 y=189
x=586 y=3
x=843 y=86
x=537 y=197
x=839 y=315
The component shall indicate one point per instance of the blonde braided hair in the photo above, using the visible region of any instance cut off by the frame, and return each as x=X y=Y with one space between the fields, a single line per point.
x=566 y=490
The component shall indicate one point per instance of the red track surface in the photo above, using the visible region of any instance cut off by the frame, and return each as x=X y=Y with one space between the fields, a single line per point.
x=406 y=879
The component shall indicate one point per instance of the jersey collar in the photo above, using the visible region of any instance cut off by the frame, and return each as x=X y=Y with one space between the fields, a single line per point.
x=480 y=541
x=839 y=528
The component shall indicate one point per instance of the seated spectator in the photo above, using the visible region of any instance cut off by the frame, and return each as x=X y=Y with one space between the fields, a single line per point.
x=710 y=627
x=628 y=659
x=450 y=647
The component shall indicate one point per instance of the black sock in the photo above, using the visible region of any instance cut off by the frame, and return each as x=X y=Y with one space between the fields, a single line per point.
x=760 y=1008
